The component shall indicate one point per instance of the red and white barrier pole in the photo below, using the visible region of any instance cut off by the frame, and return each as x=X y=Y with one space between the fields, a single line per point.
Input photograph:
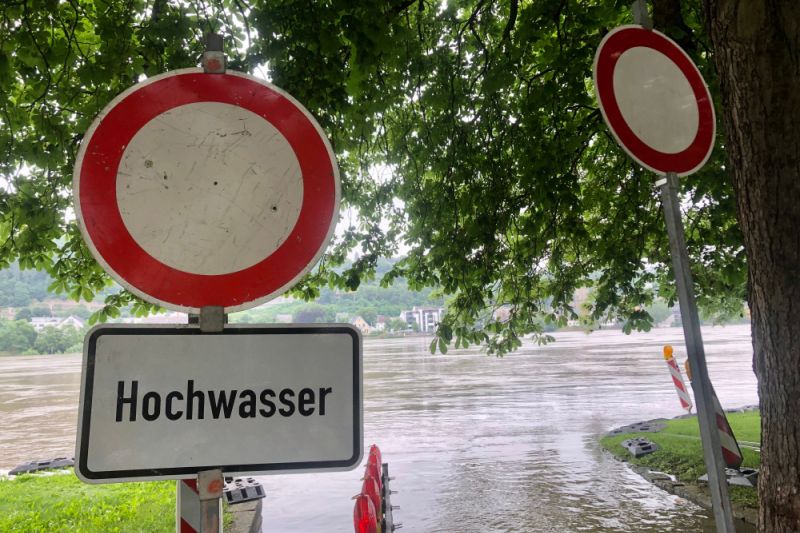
x=677 y=380
x=730 y=447
x=188 y=506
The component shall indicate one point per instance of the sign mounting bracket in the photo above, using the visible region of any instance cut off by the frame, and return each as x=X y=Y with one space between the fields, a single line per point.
x=640 y=14
x=212 y=319
x=214 y=57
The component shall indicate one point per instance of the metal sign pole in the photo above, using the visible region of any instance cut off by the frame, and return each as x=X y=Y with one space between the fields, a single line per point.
x=209 y=485
x=703 y=395
x=199 y=504
x=199 y=510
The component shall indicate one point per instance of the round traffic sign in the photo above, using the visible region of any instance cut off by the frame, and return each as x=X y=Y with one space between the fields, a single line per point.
x=654 y=100
x=196 y=190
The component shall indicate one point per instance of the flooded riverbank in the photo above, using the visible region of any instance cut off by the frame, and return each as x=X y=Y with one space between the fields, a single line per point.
x=476 y=444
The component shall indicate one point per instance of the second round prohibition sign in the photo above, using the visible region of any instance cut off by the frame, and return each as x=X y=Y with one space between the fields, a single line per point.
x=197 y=190
x=654 y=100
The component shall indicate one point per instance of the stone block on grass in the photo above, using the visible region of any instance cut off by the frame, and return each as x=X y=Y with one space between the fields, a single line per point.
x=639 y=446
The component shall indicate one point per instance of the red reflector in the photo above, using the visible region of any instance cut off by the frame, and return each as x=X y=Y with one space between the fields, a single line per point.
x=373 y=470
x=374 y=450
x=364 y=518
x=371 y=489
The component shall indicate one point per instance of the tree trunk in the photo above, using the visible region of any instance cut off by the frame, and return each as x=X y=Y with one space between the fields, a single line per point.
x=756 y=45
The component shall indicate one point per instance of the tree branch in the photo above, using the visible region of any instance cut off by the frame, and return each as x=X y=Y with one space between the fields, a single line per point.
x=512 y=20
x=667 y=18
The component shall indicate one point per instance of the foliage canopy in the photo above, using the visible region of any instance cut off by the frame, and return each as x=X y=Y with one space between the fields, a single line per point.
x=466 y=131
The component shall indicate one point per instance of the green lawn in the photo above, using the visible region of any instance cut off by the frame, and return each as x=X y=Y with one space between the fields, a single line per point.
x=681 y=452
x=61 y=502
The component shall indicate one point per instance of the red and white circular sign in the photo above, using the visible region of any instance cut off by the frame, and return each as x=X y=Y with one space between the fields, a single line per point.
x=196 y=189
x=654 y=100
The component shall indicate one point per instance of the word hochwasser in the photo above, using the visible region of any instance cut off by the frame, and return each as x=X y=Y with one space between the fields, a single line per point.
x=221 y=403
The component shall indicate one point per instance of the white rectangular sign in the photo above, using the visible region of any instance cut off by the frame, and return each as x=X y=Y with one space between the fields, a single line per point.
x=165 y=402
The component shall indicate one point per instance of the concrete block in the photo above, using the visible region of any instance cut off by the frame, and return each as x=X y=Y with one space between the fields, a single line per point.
x=246 y=517
x=639 y=446
x=744 y=477
x=240 y=490
x=36 y=466
x=649 y=426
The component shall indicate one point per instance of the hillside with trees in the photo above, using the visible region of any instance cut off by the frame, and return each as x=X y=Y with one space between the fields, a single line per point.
x=21 y=288
x=369 y=300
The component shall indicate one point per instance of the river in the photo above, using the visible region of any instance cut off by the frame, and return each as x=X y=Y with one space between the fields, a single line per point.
x=476 y=444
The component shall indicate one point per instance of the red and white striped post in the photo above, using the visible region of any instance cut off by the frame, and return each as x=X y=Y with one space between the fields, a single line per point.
x=677 y=380
x=730 y=447
x=199 y=505
x=188 y=517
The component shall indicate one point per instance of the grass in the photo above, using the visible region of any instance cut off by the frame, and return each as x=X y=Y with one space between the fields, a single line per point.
x=681 y=453
x=35 y=503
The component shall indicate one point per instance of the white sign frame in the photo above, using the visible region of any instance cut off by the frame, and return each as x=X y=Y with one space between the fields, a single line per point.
x=295 y=353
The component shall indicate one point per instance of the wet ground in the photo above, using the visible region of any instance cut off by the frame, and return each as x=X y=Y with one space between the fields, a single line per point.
x=475 y=443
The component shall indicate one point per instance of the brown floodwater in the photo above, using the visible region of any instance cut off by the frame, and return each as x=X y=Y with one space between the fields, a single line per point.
x=476 y=444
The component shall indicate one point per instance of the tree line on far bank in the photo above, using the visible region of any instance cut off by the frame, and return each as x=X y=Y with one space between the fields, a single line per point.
x=18 y=337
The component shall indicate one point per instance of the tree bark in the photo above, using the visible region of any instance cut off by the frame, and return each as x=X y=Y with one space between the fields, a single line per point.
x=667 y=18
x=756 y=46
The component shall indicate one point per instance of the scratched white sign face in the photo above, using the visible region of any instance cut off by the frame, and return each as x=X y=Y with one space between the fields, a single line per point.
x=656 y=100
x=191 y=186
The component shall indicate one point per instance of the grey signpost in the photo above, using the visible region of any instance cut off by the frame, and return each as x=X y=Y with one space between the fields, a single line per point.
x=658 y=108
x=212 y=319
x=701 y=384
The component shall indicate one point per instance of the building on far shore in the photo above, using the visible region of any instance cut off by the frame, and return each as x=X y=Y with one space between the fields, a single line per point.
x=362 y=325
x=41 y=322
x=382 y=322
x=172 y=317
x=426 y=318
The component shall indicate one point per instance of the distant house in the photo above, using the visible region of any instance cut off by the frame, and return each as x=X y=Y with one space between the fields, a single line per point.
x=502 y=314
x=164 y=318
x=382 y=322
x=426 y=318
x=72 y=321
x=675 y=318
x=362 y=325
x=41 y=322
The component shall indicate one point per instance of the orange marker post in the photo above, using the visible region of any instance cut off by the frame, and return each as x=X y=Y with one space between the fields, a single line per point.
x=677 y=380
